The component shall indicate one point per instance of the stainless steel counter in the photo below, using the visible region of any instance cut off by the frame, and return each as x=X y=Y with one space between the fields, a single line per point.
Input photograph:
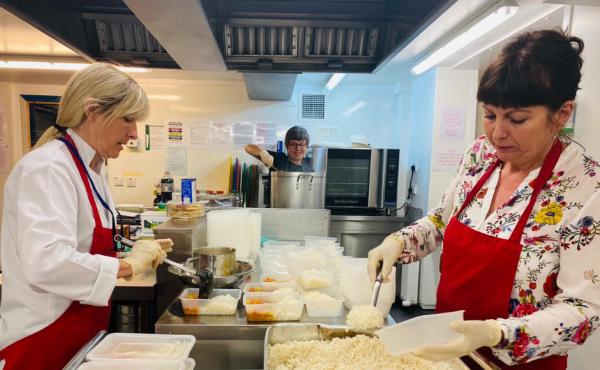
x=230 y=342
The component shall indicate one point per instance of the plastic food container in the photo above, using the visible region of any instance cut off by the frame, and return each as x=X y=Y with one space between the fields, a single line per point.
x=280 y=278
x=319 y=241
x=311 y=279
x=134 y=365
x=420 y=331
x=279 y=245
x=356 y=285
x=120 y=346
x=190 y=364
x=271 y=310
x=383 y=305
x=185 y=211
x=192 y=306
x=269 y=289
x=319 y=308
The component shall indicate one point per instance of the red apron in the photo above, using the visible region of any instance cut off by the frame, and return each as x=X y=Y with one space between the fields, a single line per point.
x=55 y=345
x=478 y=270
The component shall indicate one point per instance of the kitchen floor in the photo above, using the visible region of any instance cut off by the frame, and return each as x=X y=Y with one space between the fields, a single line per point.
x=400 y=313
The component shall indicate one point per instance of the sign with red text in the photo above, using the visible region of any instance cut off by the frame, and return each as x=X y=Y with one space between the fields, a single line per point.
x=446 y=158
x=452 y=125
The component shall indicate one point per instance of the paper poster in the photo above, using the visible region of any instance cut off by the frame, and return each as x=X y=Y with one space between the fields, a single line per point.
x=155 y=137
x=452 y=124
x=4 y=163
x=266 y=135
x=446 y=158
x=220 y=136
x=198 y=133
x=242 y=134
x=3 y=126
x=175 y=132
x=176 y=160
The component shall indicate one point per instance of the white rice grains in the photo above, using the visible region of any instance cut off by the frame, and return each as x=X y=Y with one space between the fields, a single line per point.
x=364 y=317
x=357 y=353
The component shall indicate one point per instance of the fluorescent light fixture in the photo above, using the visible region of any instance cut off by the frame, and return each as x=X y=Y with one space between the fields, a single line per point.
x=334 y=81
x=489 y=22
x=58 y=66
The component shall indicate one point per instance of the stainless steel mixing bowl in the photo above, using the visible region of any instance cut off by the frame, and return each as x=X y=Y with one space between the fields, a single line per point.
x=242 y=272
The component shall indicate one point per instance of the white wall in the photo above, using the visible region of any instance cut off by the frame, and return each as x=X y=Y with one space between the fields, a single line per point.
x=5 y=99
x=586 y=25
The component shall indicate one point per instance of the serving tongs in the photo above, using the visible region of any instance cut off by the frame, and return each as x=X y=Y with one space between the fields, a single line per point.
x=206 y=276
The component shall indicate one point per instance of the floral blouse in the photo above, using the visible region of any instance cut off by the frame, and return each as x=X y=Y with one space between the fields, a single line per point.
x=555 y=301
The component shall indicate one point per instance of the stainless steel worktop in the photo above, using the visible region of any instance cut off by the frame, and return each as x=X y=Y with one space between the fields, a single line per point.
x=230 y=342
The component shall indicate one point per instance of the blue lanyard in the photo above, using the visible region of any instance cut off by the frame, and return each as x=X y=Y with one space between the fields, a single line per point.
x=104 y=204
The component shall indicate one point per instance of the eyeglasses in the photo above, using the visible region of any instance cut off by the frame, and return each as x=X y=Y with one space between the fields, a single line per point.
x=296 y=146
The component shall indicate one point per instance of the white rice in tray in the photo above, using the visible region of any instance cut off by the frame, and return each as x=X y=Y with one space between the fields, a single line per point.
x=315 y=295
x=313 y=279
x=287 y=289
x=288 y=299
x=364 y=317
x=357 y=353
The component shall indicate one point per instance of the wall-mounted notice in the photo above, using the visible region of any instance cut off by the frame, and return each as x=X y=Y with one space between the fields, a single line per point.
x=4 y=162
x=452 y=124
x=155 y=137
x=175 y=131
x=242 y=134
x=176 y=160
x=3 y=126
x=198 y=134
x=266 y=135
x=446 y=158
x=220 y=136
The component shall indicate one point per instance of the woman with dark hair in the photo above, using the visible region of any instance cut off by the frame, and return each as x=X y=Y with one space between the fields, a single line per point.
x=296 y=143
x=518 y=220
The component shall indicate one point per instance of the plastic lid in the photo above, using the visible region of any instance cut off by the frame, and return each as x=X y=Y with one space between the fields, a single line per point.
x=220 y=192
x=234 y=192
x=210 y=192
x=161 y=206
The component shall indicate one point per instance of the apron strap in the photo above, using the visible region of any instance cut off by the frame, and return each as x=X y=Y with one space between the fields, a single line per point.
x=83 y=173
x=543 y=177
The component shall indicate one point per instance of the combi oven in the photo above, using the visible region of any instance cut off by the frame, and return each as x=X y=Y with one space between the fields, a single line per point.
x=358 y=178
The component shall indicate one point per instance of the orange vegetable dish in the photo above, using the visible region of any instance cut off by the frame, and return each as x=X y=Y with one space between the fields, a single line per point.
x=192 y=296
x=255 y=290
x=260 y=316
x=255 y=301
x=269 y=280
x=191 y=310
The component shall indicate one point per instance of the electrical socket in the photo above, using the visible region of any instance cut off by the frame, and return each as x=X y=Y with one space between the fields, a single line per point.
x=131 y=182
x=119 y=181
x=415 y=164
x=414 y=189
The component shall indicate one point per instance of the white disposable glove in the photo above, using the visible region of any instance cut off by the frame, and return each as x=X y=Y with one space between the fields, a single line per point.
x=476 y=334
x=165 y=244
x=389 y=251
x=143 y=254
x=266 y=158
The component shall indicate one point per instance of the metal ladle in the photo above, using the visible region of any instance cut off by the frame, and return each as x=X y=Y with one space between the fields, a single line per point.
x=377 y=286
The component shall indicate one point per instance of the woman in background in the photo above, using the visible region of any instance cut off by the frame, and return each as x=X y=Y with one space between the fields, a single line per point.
x=296 y=143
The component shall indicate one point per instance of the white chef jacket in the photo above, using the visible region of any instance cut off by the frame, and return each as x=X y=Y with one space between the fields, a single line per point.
x=47 y=229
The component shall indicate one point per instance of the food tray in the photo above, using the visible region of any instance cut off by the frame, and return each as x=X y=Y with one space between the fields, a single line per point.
x=281 y=333
x=268 y=289
x=192 y=306
x=120 y=346
x=325 y=308
x=284 y=278
x=271 y=310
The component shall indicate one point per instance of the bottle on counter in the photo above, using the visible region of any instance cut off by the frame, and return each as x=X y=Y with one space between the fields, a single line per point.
x=156 y=198
x=167 y=187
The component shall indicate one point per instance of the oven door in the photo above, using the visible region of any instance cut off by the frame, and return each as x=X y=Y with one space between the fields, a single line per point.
x=352 y=176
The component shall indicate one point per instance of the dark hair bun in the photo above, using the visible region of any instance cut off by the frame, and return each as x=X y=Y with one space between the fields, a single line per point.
x=535 y=68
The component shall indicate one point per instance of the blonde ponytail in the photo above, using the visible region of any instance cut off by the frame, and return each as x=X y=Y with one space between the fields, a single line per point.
x=106 y=90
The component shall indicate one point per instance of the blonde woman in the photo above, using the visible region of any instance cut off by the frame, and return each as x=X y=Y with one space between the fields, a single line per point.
x=58 y=225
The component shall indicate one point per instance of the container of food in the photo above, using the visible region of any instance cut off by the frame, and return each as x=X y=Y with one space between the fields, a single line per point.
x=259 y=290
x=213 y=306
x=273 y=309
x=133 y=365
x=151 y=219
x=273 y=278
x=319 y=241
x=179 y=210
x=322 y=306
x=311 y=279
x=289 y=332
x=119 y=346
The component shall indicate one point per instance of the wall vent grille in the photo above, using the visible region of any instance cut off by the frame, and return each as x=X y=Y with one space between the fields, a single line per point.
x=340 y=42
x=261 y=41
x=312 y=107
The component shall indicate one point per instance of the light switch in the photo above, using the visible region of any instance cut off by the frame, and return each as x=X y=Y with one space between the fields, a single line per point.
x=119 y=181
x=131 y=182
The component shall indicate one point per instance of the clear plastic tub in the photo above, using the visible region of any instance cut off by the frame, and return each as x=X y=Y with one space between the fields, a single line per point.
x=120 y=346
x=279 y=278
x=272 y=310
x=321 y=308
x=190 y=363
x=134 y=365
x=311 y=279
x=418 y=332
x=319 y=241
x=279 y=245
x=383 y=305
x=269 y=290
x=192 y=306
